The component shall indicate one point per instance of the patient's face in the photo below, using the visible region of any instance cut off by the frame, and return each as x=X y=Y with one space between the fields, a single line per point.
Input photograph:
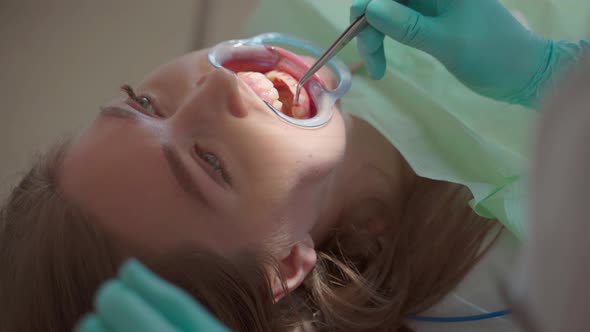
x=201 y=160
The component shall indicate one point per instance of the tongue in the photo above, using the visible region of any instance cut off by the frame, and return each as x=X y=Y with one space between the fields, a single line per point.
x=278 y=89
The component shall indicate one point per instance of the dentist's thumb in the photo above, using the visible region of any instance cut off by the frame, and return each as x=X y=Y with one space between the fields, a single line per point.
x=400 y=23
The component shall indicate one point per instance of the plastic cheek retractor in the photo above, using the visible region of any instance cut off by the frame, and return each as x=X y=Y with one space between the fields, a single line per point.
x=276 y=57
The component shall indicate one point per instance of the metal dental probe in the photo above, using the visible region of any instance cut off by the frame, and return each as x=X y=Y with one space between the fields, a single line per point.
x=352 y=31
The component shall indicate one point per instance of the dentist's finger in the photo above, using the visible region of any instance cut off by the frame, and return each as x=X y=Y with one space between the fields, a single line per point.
x=399 y=22
x=91 y=323
x=124 y=310
x=178 y=307
x=358 y=8
x=375 y=63
x=369 y=40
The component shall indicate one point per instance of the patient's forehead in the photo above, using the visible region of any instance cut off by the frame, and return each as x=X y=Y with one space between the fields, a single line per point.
x=134 y=195
x=193 y=64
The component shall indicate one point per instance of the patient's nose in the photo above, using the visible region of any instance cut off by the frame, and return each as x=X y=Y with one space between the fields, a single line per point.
x=217 y=92
x=211 y=101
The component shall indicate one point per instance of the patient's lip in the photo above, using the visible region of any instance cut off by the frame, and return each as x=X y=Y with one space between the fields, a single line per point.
x=300 y=65
x=286 y=61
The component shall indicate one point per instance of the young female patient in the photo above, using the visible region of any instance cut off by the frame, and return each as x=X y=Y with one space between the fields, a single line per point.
x=269 y=225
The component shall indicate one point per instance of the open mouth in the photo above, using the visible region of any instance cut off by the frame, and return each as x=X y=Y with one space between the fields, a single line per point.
x=276 y=82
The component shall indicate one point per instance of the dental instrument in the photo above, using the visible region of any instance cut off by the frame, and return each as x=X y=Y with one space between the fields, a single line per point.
x=352 y=31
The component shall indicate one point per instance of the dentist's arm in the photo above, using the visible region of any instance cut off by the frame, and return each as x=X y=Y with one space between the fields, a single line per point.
x=478 y=41
x=553 y=288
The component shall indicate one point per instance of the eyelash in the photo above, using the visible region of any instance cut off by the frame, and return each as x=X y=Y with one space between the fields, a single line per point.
x=139 y=100
x=216 y=164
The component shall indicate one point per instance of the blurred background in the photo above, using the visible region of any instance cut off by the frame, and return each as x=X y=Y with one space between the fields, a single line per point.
x=61 y=59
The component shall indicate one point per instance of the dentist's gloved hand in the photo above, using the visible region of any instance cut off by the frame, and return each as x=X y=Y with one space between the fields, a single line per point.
x=140 y=301
x=478 y=41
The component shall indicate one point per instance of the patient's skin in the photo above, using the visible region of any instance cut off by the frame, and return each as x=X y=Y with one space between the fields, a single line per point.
x=282 y=178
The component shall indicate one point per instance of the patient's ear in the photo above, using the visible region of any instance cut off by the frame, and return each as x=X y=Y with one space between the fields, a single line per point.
x=294 y=267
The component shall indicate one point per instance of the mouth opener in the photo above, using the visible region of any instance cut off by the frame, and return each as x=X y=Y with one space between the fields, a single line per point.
x=352 y=31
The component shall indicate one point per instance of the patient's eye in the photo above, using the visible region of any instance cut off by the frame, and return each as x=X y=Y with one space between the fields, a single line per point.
x=216 y=164
x=212 y=160
x=146 y=104
x=143 y=101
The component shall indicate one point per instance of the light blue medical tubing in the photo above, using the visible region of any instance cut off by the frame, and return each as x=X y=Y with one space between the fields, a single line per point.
x=462 y=319
x=261 y=49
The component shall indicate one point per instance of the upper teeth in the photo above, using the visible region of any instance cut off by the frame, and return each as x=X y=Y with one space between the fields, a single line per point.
x=261 y=85
x=277 y=88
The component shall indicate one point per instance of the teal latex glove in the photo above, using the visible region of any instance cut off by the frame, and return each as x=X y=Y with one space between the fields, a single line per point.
x=138 y=300
x=479 y=41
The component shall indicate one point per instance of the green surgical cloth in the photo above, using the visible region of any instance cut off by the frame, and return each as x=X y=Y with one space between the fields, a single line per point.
x=444 y=130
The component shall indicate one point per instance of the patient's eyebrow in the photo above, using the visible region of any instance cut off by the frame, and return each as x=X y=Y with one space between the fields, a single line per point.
x=181 y=173
x=179 y=169
x=119 y=112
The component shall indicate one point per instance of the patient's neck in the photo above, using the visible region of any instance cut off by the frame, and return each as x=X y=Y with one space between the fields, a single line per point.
x=373 y=170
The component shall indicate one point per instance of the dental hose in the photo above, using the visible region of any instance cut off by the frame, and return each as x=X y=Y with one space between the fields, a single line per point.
x=460 y=319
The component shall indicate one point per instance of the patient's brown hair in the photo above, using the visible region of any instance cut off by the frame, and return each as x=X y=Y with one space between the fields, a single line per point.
x=53 y=259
